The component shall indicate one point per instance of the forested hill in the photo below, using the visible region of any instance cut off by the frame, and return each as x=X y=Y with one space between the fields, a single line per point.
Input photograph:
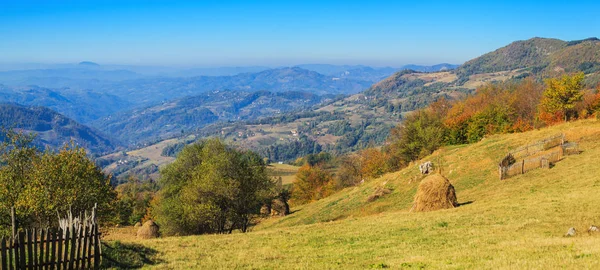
x=188 y=115
x=81 y=105
x=538 y=56
x=53 y=129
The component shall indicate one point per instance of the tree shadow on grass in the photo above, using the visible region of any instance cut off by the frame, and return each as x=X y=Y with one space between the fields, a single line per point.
x=118 y=255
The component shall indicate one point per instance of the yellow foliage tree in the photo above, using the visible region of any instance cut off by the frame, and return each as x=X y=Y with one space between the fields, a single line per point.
x=561 y=96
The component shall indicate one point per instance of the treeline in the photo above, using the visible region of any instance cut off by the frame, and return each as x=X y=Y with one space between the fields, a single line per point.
x=506 y=107
x=494 y=108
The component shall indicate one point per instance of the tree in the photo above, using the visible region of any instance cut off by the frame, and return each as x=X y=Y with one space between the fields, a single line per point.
x=373 y=163
x=560 y=97
x=212 y=187
x=17 y=156
x=63 y=181
x=312 y=183
x=40 y=184
x=421 y=133
x=349 y=172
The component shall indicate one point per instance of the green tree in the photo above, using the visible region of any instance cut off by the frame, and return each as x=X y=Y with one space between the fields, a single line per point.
x=419 y=135
x=212 y=187
x=65 y=180
x=40 y=184
x=562 y=94
x=17 y=158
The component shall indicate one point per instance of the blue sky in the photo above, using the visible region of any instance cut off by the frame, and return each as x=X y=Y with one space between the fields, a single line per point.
x=242 y=33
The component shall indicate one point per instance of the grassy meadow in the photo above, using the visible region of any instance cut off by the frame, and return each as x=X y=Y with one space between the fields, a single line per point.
x=518 y=223
x=285 y=171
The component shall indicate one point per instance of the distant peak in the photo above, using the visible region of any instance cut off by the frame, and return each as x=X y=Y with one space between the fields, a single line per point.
x=89 y=64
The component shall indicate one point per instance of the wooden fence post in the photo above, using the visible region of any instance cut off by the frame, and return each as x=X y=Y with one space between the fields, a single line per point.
x=13 y=222
x=66 y=253
x=3 y=253
x=22 y=262
x=96 y=248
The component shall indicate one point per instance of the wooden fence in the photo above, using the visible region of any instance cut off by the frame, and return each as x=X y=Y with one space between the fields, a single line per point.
x=77 y=246
x=537 y=155
x=540 y=146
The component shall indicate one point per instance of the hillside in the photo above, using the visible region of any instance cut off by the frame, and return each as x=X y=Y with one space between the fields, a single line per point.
x=353 y=122
x=373 y=74
x=538 y=56
x=189 y=114
x=515 y=223
x=83 y=106
x=53 y=129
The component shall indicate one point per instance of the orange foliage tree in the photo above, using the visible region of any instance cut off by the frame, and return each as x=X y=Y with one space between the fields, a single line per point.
x=312 y=183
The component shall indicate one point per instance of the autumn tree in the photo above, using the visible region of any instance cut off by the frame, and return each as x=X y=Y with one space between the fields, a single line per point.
x=312 y=183
x=373 y=163
x=561 y=96
x=133 y=200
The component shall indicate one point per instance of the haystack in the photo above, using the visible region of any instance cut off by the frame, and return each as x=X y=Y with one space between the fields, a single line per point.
x=265 y=210
x=435 y=192
x=148 y=231
x=280 y=207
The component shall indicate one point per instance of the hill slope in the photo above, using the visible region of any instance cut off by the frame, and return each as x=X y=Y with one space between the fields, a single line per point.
x=53 y=129
x=83 y=106
x=515 y=223
x=189 y=114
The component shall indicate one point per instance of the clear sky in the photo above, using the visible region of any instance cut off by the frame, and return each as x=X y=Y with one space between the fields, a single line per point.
x=283 y=32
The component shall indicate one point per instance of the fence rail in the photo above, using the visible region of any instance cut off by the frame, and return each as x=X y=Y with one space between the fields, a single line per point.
x=537 y=155
x=540 y=146
x=74 y=246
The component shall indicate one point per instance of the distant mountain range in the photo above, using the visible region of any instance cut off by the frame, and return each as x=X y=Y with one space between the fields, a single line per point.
x=53 y=129
x=189 y=114
x=83 y=105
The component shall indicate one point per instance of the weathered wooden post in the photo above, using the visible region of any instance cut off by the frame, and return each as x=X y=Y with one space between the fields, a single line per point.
x=13 y=222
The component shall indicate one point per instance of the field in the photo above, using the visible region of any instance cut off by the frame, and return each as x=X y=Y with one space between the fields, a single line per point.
x=286 y=171
x=517 y=223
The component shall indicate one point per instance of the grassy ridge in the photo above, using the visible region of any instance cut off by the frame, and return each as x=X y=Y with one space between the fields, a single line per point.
x=516 y=223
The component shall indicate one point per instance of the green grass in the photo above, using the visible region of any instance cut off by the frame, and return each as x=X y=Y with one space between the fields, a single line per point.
x=517 y=223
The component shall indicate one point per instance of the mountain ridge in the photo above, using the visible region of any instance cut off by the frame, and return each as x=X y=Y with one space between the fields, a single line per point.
x=54 y=129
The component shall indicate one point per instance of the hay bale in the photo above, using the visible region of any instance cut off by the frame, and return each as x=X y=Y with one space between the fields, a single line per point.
x=435 y=192
x=379 y=192
x=148 y=231
x=265 y=210
x=280 y=207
